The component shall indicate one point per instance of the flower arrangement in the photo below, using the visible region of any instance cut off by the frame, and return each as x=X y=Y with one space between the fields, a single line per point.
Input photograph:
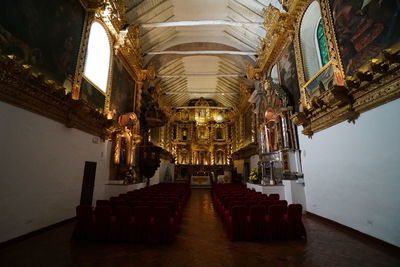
x=254 y=176
x=130 y=176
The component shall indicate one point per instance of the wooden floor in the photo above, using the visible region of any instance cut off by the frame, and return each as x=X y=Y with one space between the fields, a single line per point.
x=202 y=242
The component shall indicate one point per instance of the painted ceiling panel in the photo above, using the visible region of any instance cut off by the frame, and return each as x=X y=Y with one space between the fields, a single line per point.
x=191 y=68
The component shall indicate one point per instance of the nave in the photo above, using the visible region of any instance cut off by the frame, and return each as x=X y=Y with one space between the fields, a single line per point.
x=202 y=241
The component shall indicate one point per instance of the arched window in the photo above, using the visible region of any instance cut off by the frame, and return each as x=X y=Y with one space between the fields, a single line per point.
x=274 y=75
x=321 y=41
x=312 y=40
x=98 y=53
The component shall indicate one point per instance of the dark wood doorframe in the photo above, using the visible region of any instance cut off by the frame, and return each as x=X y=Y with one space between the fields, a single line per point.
x=89 y=175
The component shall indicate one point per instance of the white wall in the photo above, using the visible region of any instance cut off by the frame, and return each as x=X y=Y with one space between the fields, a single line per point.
x=352 y=173
x=159 y=175
x=42 y=165
x=254 y=162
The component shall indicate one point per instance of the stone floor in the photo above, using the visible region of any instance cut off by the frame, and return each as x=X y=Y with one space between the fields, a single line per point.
x=202 y=242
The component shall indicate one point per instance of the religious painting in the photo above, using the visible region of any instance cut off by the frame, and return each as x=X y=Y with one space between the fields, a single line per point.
x=202 y=132
x=92 y=95
x=364 y=28
x=122 y=89
x=288 y=76
x=45 y=34
x=323 y=82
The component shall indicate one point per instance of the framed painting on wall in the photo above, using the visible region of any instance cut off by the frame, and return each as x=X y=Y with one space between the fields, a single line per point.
x=364 y=28
x=288 y=75
x=122 y=89
x=45 y=34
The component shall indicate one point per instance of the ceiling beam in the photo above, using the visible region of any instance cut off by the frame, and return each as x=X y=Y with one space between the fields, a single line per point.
x=199 y=75
x=189 y=23
x=203 y=52
x=204 y=93
x=194 y=107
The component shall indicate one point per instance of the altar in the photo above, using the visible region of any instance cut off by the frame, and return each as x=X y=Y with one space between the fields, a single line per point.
x=200 y=180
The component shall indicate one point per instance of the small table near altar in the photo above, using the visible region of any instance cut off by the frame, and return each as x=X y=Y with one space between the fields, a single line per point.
x=200 y=180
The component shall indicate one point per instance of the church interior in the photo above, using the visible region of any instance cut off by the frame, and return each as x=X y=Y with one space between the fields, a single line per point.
x=200 y=133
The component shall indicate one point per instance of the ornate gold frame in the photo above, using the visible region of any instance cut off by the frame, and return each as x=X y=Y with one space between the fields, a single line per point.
x=107 y=93
x=124 y=41
x=374 y=84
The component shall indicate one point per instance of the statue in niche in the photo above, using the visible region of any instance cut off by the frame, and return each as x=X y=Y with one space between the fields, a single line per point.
x=184 y=133
x=174 y=132
x=220 y=157
x=219 y=133
x=201 y=130
x=123 y=149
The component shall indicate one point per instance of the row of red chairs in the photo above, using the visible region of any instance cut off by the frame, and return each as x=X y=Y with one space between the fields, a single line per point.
x=133 y=218
x=250 y=215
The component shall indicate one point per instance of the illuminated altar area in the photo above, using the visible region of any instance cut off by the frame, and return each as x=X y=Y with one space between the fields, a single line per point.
x=201 y=140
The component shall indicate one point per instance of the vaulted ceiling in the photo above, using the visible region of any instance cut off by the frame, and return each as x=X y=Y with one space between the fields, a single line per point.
x=199 y=47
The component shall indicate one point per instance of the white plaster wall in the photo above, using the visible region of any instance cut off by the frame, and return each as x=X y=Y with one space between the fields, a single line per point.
x=254 y=162
x=352 y=173
x=42 y=163
x=159 y=175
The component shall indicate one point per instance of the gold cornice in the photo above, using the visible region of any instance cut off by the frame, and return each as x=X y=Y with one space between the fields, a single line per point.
x=384 y=88
x=92 y=5
x=280 y=27
x=20 y=87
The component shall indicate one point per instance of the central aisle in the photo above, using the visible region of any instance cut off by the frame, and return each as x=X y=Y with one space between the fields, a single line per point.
x=202 y=240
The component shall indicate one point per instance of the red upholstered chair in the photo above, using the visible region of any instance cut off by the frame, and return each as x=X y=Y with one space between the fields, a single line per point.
x=273 y=197
x=251 y=202
x=225 y=204
x=175 y=212
x=256 y=222
x=103 y=222
x=276 y=222
x=141 y=224
x=163 y=226
x=115 y=203
x=281 y=202
x=123 y=223
x=266 y=203
x=84 y=223
x=294 y=224
x=153 y=203
x=228 y=212
x=102 y=202
x=134 y=203
x=237 y=222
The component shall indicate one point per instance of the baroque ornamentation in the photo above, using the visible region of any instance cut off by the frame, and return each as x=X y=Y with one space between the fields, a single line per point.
x=125 y=40
x=348 y=96
x=22 y=88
